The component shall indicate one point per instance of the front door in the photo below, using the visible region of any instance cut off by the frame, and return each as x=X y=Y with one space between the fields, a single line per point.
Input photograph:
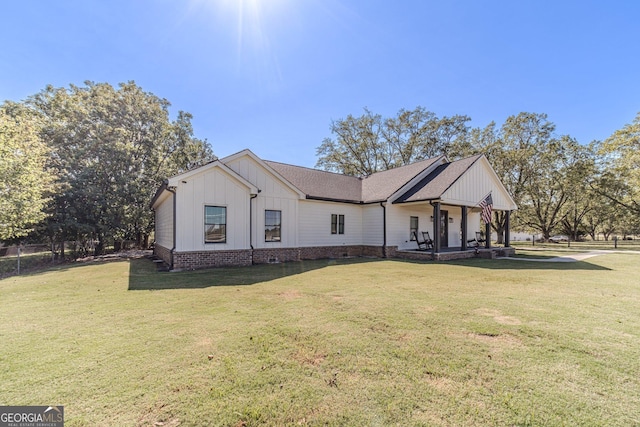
x=444 y=229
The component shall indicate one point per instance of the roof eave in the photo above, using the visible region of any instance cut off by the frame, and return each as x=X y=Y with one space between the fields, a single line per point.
x=164 y=186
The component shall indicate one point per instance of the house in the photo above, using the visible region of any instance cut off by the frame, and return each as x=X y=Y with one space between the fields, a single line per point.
x=243 y=210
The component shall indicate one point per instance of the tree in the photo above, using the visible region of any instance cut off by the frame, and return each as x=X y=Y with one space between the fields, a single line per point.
x=579 y=173
x=111 y=148
x=369 y=143
x=24 y=180
x=622 y=150
x=563 y=164
x=514 y=151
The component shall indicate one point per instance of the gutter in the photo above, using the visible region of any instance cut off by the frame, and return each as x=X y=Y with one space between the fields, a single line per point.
x=252 y=196
x=384 y=229
x=172 y=190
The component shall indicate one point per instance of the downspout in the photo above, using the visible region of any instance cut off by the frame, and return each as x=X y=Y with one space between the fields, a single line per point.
x=384 y=229
x=172 y=190
x=253 y=196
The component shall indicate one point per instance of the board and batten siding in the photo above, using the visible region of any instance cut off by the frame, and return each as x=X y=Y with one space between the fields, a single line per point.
x=212 y=187
x=273 y=195
x=288 y=207
x=315 y=223
x=164 y=222
x=475 y=184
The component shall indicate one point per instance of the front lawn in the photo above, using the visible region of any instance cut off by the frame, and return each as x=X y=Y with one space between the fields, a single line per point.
x=349 y=342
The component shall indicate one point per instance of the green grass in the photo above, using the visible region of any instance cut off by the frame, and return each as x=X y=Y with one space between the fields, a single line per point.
x=352 y=342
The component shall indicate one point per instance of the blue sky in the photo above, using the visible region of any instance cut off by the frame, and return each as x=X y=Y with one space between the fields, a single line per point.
x=271 y=75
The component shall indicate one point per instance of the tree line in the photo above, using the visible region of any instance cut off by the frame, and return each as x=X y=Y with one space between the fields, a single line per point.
x=559 y=185
x=80 y=164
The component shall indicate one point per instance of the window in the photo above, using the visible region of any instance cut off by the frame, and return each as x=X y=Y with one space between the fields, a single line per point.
x=413 y=227
x=272 y=226
x=215 y=224
x=337 y=224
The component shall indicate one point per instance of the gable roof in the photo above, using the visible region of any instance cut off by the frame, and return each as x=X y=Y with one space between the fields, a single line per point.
x=381 y=185
x=425 y=180
x=323 y=185
x=435 y=184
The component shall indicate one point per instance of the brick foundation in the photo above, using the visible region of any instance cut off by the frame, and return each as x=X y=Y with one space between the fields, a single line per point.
x=320 y=252
x=267 y=256
x=162 y=253
x=207 y=259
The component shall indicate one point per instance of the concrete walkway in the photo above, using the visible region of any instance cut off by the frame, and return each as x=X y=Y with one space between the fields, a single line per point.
x=571 y=258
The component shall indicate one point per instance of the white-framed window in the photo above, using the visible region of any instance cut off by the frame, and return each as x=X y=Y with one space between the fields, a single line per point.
x=413 y=227
x=337 y=224
x=215 y=224
x=272 y=226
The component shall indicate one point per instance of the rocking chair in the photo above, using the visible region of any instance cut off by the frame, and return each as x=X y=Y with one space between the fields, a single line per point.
x=477 y=241
x=426 y=243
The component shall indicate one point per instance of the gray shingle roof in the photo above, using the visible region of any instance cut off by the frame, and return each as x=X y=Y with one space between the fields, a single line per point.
x=317 y=184
x=381 y=185
x=437 y=182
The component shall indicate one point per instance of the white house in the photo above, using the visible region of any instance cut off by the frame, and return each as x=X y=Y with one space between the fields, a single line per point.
x=242 y=210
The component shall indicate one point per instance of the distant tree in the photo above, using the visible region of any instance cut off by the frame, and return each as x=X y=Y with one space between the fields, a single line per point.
x=548 y=195
x=369 y=143
x=24 y=180
x=622 y=151
x=111 y=148
x=515 y=153
x=580 y=172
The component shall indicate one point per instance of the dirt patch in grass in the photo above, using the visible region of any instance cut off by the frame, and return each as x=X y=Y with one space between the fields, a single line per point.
x=308 y=358
x=498 y=316
x=290 y=294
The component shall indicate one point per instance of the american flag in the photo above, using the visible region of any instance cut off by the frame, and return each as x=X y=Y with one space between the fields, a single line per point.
x=487 y=206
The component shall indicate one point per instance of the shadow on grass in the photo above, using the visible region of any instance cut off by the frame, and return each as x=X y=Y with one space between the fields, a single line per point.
x=143 y=274
x=533 y=264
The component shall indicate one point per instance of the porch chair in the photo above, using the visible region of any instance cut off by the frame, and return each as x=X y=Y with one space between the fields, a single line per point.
x=477 y=241
x=427 y=239
x=426 y=243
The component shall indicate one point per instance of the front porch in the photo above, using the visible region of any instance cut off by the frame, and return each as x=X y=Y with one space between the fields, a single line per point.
x=453 y=253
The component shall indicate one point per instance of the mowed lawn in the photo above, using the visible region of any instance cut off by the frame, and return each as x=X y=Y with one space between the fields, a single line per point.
x=348 y=342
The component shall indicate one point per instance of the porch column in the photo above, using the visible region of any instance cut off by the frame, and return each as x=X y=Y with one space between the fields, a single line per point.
x=436 y=227
x=487 y=235
x=464 y=228
x=507 y=229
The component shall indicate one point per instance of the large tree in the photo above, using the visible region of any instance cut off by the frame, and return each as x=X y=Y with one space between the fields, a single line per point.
x=24 y=180
x=563 y=165
x=514 y=151
x=111 y=148
x=370 y=143
x=622 y=149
